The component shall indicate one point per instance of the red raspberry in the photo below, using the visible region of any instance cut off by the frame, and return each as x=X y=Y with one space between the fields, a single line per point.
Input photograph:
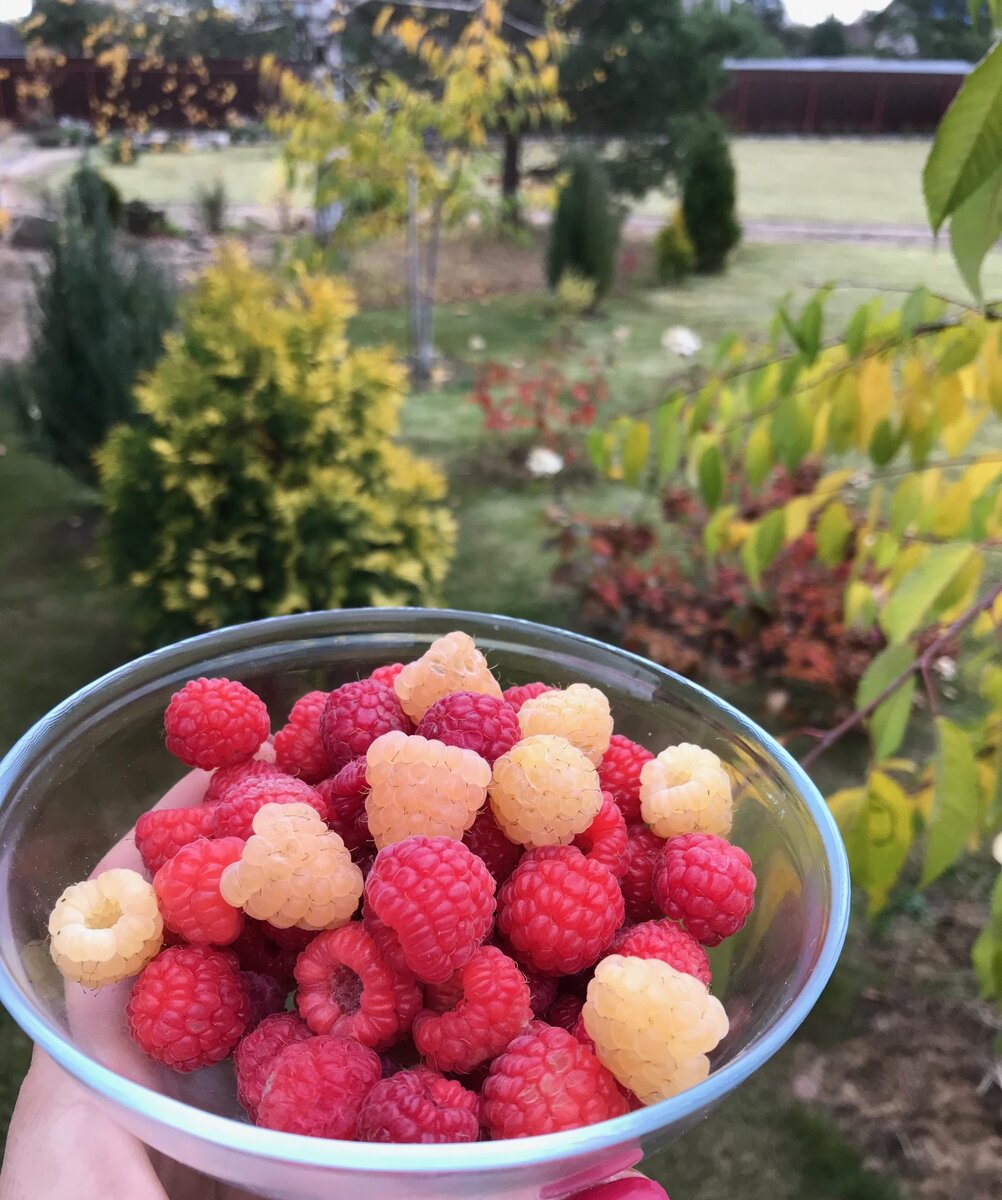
x=437 y=897
x=605 y=840
x=234 y=815
x=255 y=1055
x=644 y=854
x=317 y=1087
x=578 y=1030
x=440 y=997
x=355 y=715
x=494 y=1007
x=162 y=832
x=565 y=1010
x=706 y=883
x=187 y=889
x=484 y=724
x=298 y=748
x=260 y=950
x=344 y=794
x=189 y=1007
x=387 y=674
x=489 y=842
x=542 y=992
x=668 y=942
x=225 y=778
x=545 y=1082
x=348 y=988
x=266 y=995
x=559 y=910
x=619 y=773
x=215 y=722
x=517 y=696
x=419 y=1106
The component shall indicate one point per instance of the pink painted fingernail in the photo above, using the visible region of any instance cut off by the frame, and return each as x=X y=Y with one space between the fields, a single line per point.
x=625 y=1189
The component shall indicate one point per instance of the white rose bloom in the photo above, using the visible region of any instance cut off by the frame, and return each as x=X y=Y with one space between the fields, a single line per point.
x=681 y=341
x=542 y=462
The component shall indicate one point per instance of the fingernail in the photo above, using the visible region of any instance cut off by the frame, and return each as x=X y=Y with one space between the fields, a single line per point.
x=625 y=1189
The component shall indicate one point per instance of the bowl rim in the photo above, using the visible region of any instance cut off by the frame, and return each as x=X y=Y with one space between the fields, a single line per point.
x=319 y=1153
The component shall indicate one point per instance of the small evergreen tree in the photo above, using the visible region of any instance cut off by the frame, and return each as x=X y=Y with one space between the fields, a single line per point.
x=584 y=235
x=709 y=196
x=101 y=313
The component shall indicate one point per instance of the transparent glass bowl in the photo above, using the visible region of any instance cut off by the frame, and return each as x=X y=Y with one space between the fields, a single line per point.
x=78 y=780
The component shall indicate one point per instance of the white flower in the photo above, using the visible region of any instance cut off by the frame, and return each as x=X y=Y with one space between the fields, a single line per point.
x=477 y=343
x=681 y=341
x=542 y=462
x=621 y=334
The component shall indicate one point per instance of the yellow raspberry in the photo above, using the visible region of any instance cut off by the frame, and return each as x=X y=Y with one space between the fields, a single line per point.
x=686 y=789
x=451 y=664
x=652 y=1026
x=293 y=871
x=544 y=791
x=579 y=713
x=420 y=786
x=105 y=929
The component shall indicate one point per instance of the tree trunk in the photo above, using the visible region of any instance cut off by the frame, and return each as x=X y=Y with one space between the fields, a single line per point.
x=420 y=371
x=511 y=176
x=328 y=68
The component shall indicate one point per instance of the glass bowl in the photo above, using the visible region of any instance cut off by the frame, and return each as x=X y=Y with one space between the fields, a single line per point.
x=77 y=781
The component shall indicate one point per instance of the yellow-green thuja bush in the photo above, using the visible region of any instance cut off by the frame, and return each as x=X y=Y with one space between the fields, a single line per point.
x=263 y=476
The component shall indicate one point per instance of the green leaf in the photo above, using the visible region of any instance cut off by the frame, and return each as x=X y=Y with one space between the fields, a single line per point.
x=716 y=529
x=791 y=431
x=968 y=144
x=889 y=721
x=955 y=802
x=913 y=309
x=667 y=439
x=770 y=534
x=599 y=446
x=636 y=445
x=833 y=532
x=749 y=558
x=758 y=455
x=974 y=229
x=879 y=838
x=918 y=590
x=904 y=503
x=791 y=328
x=960 y=346
x=809 y=330
x=987 y=951
x=855 y=334
x=884 y=443
x=711 y=477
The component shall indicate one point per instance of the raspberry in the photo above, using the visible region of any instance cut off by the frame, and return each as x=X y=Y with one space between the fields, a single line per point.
x=441 y=997
x=644 y=853
x=486 y=725
x=225 y=778
x=255 y=1055
x=545 y=1082
x=215 y=722
x=619 y=773
x=559 y=910
x=544 y=792
x=355 y=715
x=187 y=889
x=582 y=1034
x=387 y=674
x=565 y=1010
x=517 y=696
x=668 y=942
x=652 y=1025
x=495 y=1006
x=189 y=1008
x=419 y=1106
x=259 y=950
x=265 y=994
x=317 y=1087
x=542 y=992
x=707 y=884
x=298 y=747
x=605 y=840
x=234 y=815
x=422 y=787
x=162 y=832
x=344 y=794
x=105 y=929
x=347 y=987
x=579 y=713
x=487 y=841
x=438 y=899
x=293 y=871
x=451 y=664
x=686 y=789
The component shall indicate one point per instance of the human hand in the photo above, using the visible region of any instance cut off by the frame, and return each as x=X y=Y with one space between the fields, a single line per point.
x=63 y=1146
